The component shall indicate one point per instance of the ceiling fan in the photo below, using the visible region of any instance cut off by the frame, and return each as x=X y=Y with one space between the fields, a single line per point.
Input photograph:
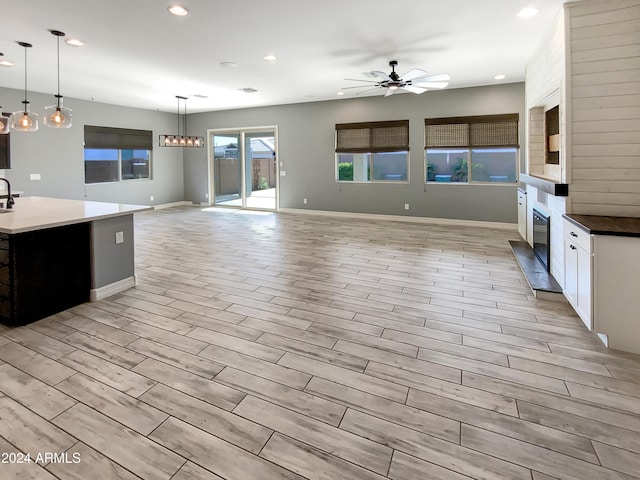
x=415 y=81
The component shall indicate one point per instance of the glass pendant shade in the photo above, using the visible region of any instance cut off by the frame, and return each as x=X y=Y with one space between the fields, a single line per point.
x=57 y=116
x=24 y=121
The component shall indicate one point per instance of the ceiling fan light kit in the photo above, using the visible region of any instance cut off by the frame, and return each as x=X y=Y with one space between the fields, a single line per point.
x=415 y=81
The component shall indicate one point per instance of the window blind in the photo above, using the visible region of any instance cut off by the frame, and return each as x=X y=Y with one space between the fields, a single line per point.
x=469 y=132
x=391 y=136
x=120 y=138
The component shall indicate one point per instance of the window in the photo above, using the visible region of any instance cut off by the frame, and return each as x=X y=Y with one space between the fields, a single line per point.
x=372 y=151
x=481 y=149
x=115 y=154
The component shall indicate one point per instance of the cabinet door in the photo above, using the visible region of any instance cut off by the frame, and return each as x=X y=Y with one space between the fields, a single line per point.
x=571 y=273
x=584 y=287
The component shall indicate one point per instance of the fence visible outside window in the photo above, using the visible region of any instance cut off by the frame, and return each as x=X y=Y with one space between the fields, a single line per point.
x=372 y=151
x=479 y=149
x=115 y=154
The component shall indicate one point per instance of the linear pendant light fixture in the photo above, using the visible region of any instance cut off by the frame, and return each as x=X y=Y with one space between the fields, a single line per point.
x=24 y=121
x=57 y=116
x=181 y=140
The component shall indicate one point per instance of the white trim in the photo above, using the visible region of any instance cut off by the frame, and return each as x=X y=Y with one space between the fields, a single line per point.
x=101 y=293
x=400 y=218
x=172 y=204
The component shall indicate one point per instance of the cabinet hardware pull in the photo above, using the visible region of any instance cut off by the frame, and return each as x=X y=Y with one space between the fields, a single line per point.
x=572 y=247
x=573 y=234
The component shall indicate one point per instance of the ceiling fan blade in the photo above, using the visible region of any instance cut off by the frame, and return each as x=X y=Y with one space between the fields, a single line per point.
x=359 y=86
x=381 y=75
x=414 y=73
x=390 y=92
x=361 y=80
x=429 y=84
x=414 y=89
x=441 y=77
x=370 y=90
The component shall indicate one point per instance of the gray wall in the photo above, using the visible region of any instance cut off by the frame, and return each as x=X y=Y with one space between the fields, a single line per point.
x=306 y=146
x=57 y=154
x=111 y=262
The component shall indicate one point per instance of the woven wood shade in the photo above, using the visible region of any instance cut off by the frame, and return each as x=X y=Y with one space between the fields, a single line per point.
x=469 y=132
x=372 y=137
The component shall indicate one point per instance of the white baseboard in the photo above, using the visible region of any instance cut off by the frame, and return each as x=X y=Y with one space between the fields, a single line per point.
x=101 y=293
x=402 y=218
x=172 y=204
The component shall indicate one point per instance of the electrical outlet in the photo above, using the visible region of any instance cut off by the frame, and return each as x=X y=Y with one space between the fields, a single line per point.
x=304 y=201
x=283 y=173
x=35 y=176
x=406 y=206
x=119 y=238
x=151 y=198
x=206 y=195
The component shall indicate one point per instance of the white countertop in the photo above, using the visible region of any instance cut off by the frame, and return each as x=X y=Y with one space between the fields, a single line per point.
x=37 y=213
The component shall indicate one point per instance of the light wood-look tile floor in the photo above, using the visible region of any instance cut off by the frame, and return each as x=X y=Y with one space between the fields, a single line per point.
x=280 y=346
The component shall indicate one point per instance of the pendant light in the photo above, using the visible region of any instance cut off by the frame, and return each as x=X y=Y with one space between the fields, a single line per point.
x=24 y=121
x=181 y=140
x=57 y=116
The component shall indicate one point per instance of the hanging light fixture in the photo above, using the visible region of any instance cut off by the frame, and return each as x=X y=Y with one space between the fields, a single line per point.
x=57 y=116
x=181 y=140
x=24 y=121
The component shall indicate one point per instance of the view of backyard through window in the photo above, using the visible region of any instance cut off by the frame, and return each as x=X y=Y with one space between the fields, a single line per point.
x=366 y=167
x=112 y=164
x=493 y=165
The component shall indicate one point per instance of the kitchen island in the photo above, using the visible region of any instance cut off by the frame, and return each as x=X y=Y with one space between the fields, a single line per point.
x=57 y=253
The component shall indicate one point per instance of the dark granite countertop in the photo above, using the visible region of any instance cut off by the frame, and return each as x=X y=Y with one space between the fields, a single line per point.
x=602 y=225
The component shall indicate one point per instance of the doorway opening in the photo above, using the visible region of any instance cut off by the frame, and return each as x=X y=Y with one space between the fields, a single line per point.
x=244 y=169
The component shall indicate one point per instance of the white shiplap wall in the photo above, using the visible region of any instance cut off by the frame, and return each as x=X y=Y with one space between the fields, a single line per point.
x=605 y=107
x=545 y=88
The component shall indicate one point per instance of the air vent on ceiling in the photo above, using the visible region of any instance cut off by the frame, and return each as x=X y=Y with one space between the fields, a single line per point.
x=199 y=95
x=248 y=90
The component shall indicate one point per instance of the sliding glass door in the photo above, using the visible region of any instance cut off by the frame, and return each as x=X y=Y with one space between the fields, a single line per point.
x=245 y=168
x=227 y=169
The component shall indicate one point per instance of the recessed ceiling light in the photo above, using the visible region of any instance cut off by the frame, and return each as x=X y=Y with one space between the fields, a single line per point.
x=340 y=93
x=248 y=90
x=74 y=42
x=270 y=58
x=527 y=12
x=501 y=76
x=178 y=10
x=228 y=65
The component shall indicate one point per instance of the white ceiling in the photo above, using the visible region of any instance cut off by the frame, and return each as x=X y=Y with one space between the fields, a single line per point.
x=139 y=55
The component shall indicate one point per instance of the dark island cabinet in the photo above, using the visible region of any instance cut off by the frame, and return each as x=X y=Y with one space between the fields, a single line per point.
x=43 y=272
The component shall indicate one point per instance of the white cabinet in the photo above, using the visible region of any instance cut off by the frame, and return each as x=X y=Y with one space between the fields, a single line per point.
x=578 y=271
x=522 y=213
x=601 y=282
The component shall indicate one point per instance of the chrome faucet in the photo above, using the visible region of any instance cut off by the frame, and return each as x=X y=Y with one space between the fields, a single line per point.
x=10 y=201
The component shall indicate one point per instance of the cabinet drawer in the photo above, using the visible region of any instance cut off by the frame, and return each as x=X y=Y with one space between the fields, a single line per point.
x=577 y=235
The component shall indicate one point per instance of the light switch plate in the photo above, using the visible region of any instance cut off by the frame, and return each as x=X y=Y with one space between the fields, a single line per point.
x=119 y=238
x=35 y=176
